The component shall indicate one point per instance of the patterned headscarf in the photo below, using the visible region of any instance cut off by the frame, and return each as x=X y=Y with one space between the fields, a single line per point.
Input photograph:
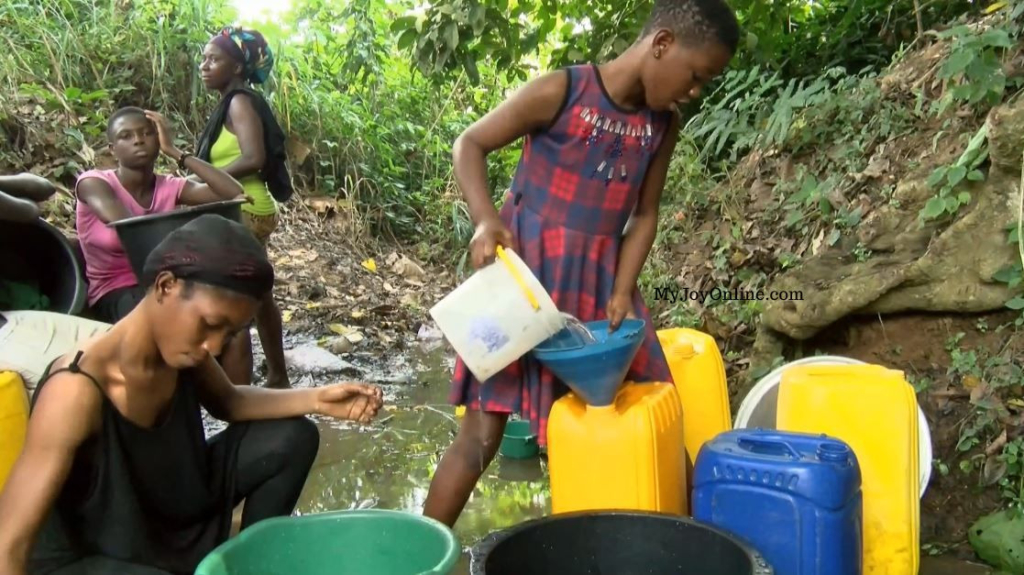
x=248 y=48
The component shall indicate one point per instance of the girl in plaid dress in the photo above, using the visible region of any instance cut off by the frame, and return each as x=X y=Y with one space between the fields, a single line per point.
x=597 y=149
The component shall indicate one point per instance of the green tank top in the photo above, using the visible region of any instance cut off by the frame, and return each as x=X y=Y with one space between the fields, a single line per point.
x=226 y=150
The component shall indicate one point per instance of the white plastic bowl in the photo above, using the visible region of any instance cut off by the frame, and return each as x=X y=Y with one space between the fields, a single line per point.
x=759 y=407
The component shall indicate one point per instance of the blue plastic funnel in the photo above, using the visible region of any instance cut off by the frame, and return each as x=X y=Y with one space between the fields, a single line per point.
x=594 y=371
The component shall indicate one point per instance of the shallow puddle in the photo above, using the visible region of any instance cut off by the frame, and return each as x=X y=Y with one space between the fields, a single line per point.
x=389 y=464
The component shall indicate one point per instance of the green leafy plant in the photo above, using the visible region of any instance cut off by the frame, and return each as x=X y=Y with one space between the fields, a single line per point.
x=948 y=179
x=974 y=66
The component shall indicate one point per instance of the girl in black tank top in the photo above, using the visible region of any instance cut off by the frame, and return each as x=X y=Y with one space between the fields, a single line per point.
x=116 y=475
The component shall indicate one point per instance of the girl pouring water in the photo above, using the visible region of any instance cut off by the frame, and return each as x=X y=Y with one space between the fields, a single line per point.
x=598 y=143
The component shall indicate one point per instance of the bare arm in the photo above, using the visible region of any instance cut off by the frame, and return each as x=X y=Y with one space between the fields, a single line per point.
x=232 y=403
x=100 y=197
x=530 y=108
x=218 y=184
x=637 y=244
x=66 y=413
x=27 y=186
x=14 y=209
x=248 y=129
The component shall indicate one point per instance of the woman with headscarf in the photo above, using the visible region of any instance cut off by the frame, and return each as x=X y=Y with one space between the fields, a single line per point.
x=116 y=475
x=244 y=139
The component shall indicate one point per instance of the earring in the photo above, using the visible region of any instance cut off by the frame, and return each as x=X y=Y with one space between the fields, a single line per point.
x=657 y=53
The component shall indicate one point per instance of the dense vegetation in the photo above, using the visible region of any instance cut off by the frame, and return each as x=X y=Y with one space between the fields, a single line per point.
x=374 y=92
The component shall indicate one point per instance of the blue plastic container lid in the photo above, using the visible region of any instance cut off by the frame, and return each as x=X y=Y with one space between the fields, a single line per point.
x=819 y=468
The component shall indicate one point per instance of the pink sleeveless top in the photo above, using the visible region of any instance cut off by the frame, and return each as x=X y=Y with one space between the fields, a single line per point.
x=106 y=264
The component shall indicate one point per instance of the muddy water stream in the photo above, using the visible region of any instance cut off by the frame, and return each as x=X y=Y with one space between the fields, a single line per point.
x=389 y=464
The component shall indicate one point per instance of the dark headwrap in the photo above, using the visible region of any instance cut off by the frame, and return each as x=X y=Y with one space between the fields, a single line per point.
x=249 y=49
x=215 y=251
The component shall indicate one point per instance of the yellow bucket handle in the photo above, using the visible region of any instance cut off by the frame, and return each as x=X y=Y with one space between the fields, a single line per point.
x=518 y=277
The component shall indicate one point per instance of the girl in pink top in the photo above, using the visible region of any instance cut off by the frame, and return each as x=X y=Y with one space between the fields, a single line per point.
x=136 y=138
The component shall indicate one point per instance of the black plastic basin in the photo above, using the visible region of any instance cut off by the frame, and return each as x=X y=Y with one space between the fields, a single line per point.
x=38 y=254
x=139 y=235
x=614 y=543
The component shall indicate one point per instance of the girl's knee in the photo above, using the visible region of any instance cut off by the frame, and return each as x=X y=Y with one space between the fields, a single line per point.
x=296 y=438
x=302 y=435
x=480 y=441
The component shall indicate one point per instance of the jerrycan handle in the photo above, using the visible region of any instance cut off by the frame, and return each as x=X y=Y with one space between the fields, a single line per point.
x=768 y=446
x=500 y=252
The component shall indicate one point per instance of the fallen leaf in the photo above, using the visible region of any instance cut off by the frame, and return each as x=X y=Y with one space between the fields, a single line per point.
x=321 y=204
x=993 y=470
x=370 y=265
x=970 y=381
x=408 y=268
x=340 y=329
x=87 y=153
x=286 y=316
x=340 y=345
x=761 y=194
x=978 y=392
x=997 y=444
x=357 y=314
x=819 y=240
x=389 y=288
x=877 y=167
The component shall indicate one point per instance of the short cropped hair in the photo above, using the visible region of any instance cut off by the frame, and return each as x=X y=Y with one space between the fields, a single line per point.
x=121 y=113
x=695 y=21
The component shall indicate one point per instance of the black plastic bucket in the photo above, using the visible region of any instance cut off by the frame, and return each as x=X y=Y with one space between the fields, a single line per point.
x=614 y=543
x=38 y=254
x=139 y=235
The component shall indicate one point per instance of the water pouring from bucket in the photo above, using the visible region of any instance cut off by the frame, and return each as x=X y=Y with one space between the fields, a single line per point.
x=594 y=371
x=497 y=315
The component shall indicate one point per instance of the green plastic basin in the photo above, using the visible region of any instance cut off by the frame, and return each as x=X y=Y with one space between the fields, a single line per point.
x=518 y=441
x=370 y=541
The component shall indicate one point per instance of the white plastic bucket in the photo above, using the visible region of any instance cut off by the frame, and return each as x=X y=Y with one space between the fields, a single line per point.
x=759 y=407
x=497 y=315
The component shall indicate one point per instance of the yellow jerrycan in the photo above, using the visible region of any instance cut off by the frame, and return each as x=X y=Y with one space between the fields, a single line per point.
x=874 y=410
x=699 y=374
x=13 y=421
x=627 y=455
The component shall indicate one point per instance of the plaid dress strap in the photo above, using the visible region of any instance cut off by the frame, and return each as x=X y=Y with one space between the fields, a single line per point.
x=585 y=172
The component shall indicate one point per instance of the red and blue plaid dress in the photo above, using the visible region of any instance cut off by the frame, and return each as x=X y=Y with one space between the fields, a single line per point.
x=574 y=189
